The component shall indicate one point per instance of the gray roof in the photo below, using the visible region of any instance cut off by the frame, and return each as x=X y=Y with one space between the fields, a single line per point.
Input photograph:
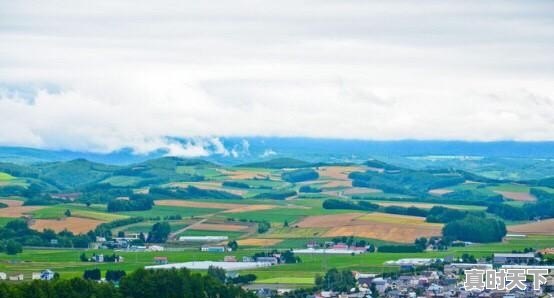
x=525 y=255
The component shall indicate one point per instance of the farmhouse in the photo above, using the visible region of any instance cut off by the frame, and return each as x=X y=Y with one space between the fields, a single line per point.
x=66 y=196
x=272 y=260
x=16 y=277
x=513 y=258
x=47 y=274
x=154 y=248
x=230 y=259
x=43 y=275
x=3 y=276
x=160 y=260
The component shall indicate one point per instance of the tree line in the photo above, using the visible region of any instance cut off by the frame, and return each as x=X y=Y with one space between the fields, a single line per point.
x=138 y=284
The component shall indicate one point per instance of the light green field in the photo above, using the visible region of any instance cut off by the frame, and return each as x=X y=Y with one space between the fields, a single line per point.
x=510 y=187
x=291 y=232
x=57 y=211
x=122 y=181
x=231 y=235
x=207 y=172
x=6 y=177
x=5 y=220
x=147 y=226
x=428 y=205
x=162 y=211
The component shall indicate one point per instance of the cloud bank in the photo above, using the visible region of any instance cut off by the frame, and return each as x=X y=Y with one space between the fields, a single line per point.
x=104 y=76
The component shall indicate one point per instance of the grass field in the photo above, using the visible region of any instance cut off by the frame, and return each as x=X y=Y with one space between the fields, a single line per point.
x=122 y=181
x=4 y=221
x=66 y=261
x=57 y=212
x=6 y=177
x=161 y=211
x=192 y=232
x=147 y=226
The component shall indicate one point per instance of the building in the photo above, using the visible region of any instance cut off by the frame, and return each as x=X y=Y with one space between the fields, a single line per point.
x=247 y=259
x=35 y=275
x=47 y=274
x=380 y=284
x=16 y=277
x=98 y=258
x=513 y=258
x=160 y=260
x=455 y=268
x=66 y=196
x=213 y=248
x=203 y=238
x=272 y=260
x=155 y=248
x=340 y=246
x=230 y=259
x=3 y=276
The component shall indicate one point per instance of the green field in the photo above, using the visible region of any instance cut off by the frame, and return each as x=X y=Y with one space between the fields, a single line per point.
x=67 y=263
x=58 y=211
x=4 y=221
x=122 y=180
x=162 y=211
x=192 y=232
x=147 y=226
x=6 y=177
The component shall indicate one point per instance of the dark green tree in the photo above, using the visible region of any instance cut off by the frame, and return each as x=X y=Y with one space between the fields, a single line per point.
x=159 y=232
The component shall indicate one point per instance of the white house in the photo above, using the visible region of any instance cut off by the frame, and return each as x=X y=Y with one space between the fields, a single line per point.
x=3 y=276
x=16 y=277
x=47 y=274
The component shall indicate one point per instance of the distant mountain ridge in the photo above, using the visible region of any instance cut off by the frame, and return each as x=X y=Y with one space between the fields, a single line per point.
x=503 y=159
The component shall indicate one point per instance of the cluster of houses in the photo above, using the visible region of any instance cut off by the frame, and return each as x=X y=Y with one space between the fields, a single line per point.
x=125 y=244
x=330 y=247
x=100 y=258
x=43 y=275
x=214 y=248
x=423 y=278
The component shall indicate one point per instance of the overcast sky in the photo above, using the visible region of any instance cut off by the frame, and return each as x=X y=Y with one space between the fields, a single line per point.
x=102 y=75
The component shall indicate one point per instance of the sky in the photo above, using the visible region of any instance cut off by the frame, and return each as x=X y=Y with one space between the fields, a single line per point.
x=104 y=75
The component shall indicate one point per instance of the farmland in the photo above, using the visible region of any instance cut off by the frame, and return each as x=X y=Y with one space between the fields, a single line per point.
x=199 y=198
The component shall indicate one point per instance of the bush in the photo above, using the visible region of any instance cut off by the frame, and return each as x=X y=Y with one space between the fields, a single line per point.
x=135 y=203
x=413 y=211
x=309 y=189
x=400 y=248
x=442 y=214
x=276 y=195
x=159 y=232
x=114 y=275
x=263 y=227
x=340 y=204
x=93 y=274
x=235 y=184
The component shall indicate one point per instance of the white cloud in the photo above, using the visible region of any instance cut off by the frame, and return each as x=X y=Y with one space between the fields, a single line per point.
x=137 y=74
x=268 y=153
